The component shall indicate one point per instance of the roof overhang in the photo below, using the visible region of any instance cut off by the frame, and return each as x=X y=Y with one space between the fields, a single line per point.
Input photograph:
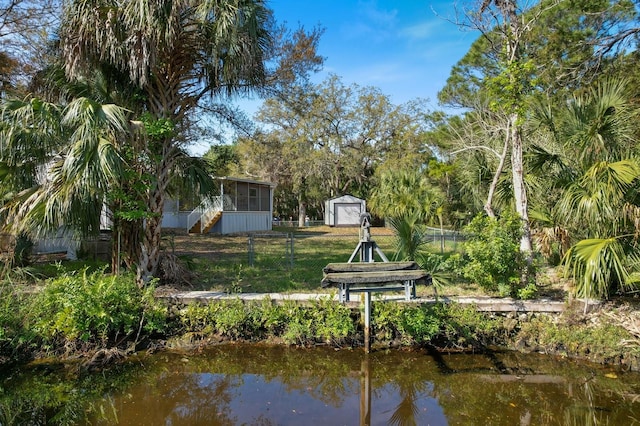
x=251 y=181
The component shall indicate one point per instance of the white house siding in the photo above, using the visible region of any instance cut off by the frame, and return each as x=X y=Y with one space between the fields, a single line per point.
x=174 y=219
x=237 y=222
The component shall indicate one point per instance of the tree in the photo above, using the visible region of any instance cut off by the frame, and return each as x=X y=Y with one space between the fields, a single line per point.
x=408 y=201
x=180 y=54
x=562 y=42
x=25 y=27
x=505 y=26
x=77 y=142
x=329 y=139
x=590 y=163
x=405 y=194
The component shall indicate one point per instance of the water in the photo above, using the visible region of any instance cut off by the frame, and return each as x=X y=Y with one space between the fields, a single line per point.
x=255 y=385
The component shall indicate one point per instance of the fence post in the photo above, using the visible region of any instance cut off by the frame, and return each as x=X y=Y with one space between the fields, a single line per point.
x=291 y=251
x=251 y=250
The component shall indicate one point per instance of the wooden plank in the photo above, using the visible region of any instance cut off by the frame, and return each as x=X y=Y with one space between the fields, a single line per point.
x=374 y=278
x=369 y=267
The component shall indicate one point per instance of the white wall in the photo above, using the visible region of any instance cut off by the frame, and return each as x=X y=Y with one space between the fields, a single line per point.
x=234 y=222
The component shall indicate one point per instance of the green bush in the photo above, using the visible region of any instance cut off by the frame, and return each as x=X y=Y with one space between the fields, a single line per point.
x=15 y=335
x=94 y=307
x=465 y=326
x=492 y=256
x=420 y=323
x=233 y=319
x=597 y=341
x=386 y=319
x=324 y=321
x=409 y=324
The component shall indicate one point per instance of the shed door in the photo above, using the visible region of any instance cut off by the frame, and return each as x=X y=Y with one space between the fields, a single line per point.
x=347 y=213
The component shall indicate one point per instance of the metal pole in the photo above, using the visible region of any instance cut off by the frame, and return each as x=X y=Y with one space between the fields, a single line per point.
x=367 y=321
x=365 y=392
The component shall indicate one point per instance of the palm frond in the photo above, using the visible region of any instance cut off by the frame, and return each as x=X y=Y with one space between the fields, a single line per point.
x=597 y=265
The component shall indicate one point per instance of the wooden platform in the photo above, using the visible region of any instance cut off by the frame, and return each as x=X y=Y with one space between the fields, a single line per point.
x=374 y=277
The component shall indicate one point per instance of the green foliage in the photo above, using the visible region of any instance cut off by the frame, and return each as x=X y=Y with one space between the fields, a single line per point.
x=600 y=341
x=440 y=268
x=409 y=235
x=420 y=323
x=409 y=324
x=509 y=88
x=598 y=266
x=15 y=335
x=466 y=326
x=324 y=321
x=94 y=307
x=492 y=253
x=451 y=323
x=158 y=128
x=406 y=195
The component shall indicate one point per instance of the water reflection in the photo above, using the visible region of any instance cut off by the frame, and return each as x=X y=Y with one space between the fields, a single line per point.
x=279 y=386
x=233 y=385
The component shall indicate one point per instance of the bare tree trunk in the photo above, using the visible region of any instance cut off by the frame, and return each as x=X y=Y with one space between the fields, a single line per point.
x=496 y=177
x=519 y=189
x=302 y=213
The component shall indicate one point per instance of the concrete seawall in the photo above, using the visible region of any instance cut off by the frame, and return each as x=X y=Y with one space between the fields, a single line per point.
x=484 y=304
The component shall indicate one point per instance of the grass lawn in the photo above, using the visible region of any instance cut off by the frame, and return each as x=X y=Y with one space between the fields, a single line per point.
x=222 y=263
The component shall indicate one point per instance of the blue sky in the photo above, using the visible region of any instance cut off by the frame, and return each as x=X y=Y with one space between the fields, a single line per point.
x=404 y=47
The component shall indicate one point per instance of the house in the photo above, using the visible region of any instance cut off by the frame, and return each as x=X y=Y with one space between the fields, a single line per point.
x=344 y=211
x=243 y=206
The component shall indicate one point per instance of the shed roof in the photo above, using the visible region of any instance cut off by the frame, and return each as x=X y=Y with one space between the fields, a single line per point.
x=346 y=198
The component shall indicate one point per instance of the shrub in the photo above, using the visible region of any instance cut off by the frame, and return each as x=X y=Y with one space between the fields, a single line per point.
x=332 y=321
x=420 y=323
x=410 y=324
x=94 y=307
x=492 y=253
x=15 y=336
x=464 y=326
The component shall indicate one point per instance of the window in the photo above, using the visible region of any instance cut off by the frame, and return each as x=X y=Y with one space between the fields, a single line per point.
x=254 y=201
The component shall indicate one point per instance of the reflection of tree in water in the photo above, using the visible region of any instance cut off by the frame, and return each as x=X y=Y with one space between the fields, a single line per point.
x=411 y=387
x=322 y=374
x=188 y=398
x=499 y=389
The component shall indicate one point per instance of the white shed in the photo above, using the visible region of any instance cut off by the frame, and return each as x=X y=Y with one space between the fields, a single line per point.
x=344 y=211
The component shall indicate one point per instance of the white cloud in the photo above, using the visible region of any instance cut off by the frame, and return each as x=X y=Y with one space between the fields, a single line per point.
x=423 y=30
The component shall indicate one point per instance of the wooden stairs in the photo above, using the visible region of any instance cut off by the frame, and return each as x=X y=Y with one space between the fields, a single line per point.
x=195 y=229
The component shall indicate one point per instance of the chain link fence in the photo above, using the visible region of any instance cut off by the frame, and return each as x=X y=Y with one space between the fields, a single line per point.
x=296 y=260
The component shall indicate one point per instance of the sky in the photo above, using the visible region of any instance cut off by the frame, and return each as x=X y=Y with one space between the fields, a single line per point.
x=406 y=48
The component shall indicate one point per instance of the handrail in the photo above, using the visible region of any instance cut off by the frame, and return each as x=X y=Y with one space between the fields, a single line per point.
x=204 y=212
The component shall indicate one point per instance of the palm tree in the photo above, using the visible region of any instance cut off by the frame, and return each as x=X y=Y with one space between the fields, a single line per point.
x=61 y=161
x=405 y=194
x=591 y=159
x=179 y=53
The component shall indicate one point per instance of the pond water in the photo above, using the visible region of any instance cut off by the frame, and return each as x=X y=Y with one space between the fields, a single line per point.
x=256 y=385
